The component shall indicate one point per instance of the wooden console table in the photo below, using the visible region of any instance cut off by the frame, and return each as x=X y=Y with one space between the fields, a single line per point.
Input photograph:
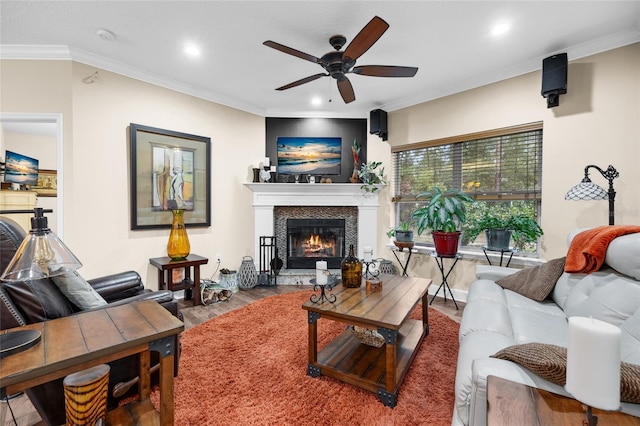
x=510 y=403
x=187 y=284
x=84 y=340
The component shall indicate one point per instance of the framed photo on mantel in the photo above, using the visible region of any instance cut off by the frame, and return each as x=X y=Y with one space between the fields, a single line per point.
x=169 y=170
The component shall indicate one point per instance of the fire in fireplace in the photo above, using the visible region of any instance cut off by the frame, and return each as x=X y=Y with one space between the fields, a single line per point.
x=310 y=240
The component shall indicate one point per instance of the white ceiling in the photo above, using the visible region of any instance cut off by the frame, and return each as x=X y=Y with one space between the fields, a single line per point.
x=449 y=41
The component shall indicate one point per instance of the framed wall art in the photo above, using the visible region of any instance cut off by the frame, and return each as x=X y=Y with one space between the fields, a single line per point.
x=309 y=155
x=47 y=185
x=169 y=170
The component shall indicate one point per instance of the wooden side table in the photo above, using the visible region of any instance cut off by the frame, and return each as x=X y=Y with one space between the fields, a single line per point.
x=165 y=279
x=510 y=403
x=87 y=339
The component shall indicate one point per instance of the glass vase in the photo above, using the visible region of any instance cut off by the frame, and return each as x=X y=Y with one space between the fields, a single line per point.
x=351 y=270
x=178 y=246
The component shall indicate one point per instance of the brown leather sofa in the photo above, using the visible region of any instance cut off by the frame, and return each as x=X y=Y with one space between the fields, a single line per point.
x=24 y=303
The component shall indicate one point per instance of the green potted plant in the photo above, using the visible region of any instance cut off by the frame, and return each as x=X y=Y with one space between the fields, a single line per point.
x=370 y=176
x=444 y=214
x=402 y=233
x=500 y=230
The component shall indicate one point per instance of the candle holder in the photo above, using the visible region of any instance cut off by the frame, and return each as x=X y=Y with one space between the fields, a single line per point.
x=324 y=294
x=368 y=271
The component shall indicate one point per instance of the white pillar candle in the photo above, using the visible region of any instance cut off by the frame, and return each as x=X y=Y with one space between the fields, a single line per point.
x=273 y=169
x=267 y=162
x=368 y=254
x=321 y=275
x=593 y=363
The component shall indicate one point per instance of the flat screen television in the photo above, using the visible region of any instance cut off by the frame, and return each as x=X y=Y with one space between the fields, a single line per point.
x=309 y=155
x=20 y=169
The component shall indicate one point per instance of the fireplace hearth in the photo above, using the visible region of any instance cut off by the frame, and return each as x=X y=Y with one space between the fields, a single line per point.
x=311 y=239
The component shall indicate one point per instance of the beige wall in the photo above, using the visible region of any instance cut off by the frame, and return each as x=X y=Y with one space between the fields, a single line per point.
x=597 y=122
x=96 y=117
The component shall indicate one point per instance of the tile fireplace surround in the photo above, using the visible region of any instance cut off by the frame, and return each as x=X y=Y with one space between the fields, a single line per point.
x=266 y=196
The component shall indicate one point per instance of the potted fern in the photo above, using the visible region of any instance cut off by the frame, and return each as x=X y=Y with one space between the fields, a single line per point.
x=444 y=214
x=500 y=230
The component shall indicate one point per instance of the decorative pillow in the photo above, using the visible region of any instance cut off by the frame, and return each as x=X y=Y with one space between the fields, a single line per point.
x=78 y=291
x=535 y=283
x=550 y=363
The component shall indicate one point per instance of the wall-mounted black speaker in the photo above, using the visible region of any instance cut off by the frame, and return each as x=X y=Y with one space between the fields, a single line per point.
x=378 y=123
x=554 y=78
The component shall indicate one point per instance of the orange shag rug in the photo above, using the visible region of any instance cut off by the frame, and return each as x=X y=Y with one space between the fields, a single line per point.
x=248 y=367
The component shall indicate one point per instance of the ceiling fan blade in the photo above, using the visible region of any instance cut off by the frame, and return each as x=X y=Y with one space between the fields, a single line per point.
x=385 y=71
x=291 y=51
x=346 y=90
x=302 y=81
x=366 y=38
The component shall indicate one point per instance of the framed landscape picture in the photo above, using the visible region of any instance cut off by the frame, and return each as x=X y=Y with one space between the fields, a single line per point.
x=309 y=155
x=169 y=170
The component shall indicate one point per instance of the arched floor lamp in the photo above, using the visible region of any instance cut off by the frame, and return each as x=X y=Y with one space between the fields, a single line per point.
x=587 y=190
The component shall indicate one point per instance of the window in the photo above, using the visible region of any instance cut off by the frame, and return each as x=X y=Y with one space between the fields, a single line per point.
x=501 y=169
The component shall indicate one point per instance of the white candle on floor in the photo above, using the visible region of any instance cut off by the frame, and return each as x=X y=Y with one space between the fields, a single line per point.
x=321 y=276
x=593 y=363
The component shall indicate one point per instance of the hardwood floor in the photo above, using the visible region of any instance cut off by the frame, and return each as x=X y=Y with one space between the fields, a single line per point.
x=194 y=315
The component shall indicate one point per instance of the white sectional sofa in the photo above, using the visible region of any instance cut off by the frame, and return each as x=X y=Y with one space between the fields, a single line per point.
x=495 y=318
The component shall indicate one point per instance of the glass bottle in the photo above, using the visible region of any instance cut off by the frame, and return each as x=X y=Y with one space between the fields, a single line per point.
x=351 y=270
x=178 y=246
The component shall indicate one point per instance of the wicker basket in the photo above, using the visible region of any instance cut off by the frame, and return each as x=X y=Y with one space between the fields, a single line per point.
x=367 y=336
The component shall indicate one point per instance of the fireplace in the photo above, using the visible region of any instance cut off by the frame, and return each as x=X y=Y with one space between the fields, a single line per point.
x=274 y=204
x=311 y=239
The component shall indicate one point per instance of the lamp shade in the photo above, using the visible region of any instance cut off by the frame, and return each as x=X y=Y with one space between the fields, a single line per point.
x=42 y=254
x=587 y=190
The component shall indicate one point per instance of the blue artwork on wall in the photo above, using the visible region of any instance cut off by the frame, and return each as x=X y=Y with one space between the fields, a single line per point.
x=309 y=155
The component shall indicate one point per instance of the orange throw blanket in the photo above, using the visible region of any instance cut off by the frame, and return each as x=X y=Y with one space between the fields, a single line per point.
x=588 y=249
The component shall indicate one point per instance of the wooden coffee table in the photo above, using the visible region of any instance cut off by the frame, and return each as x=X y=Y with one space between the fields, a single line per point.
x=379 y=370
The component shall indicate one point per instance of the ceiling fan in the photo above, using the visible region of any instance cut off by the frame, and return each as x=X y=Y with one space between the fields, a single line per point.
x=339 y=63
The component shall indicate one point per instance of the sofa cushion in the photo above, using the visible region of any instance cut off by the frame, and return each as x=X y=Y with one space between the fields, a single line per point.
x=550 y=363
x=535 y=283
x=78 y=290
x=604 y=295
x=38 y=300
x=623 y=255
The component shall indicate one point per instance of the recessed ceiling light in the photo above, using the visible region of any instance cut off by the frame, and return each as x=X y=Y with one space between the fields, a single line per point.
x=500 y=29
x=192 y=50
x=316 y=101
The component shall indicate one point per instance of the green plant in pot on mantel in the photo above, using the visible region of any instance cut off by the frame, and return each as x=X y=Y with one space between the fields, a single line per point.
x=370 y=176
x=500 y=230
x=444 y=214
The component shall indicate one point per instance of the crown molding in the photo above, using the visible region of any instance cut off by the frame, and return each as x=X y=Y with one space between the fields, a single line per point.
x=57 y=52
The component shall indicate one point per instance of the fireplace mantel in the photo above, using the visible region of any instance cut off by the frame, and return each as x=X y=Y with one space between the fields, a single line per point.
x=266 y=196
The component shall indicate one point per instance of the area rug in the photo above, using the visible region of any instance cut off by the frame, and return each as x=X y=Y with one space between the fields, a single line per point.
x=248 y=367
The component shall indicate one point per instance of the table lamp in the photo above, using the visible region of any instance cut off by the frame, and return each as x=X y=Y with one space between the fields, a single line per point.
x=587 y=190
x=40 y=255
